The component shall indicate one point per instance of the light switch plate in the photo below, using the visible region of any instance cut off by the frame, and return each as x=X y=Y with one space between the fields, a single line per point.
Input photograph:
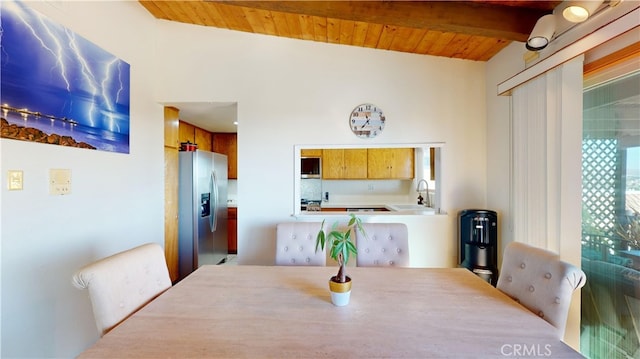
x=14 y=179
x=59 y=181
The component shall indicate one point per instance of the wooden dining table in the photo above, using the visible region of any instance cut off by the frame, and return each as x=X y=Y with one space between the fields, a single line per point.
x=286 y=312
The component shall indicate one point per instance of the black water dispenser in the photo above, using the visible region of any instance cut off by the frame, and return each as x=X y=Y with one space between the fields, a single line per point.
x=478 y=231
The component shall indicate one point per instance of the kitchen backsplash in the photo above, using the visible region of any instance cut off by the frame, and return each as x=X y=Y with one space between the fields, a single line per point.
x=365 y=191
x=311 y=188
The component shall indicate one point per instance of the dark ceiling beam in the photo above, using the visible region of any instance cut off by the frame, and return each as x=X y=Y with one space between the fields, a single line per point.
x=484 y=18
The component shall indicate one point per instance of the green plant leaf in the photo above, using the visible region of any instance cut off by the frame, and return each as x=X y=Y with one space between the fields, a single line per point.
x=345 y=252
x=320 y=238
x=320 y=241
x=337 y=235
x=352 y=247
x=336 y=249
x=341 y=242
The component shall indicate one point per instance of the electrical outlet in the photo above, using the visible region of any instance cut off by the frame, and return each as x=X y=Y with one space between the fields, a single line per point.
x=370 y=187
x=59 y=181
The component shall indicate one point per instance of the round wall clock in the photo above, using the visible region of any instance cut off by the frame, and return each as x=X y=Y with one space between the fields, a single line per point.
x=366 y=120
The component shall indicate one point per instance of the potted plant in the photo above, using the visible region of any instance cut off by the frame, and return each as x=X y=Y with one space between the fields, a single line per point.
x=341 y=248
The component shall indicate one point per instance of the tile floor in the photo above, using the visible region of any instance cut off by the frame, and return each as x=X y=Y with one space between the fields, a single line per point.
x=231 y=260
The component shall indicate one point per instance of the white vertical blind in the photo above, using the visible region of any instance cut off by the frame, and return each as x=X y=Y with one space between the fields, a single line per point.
x=546 y=169
x=529 y=155
x=546 y=141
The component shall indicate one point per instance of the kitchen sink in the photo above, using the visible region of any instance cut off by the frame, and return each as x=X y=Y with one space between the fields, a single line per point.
x=368 y=209
x=409 y=207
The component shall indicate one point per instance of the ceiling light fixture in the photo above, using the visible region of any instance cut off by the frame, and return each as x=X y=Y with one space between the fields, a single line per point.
x=579 y=11
x=542 y=32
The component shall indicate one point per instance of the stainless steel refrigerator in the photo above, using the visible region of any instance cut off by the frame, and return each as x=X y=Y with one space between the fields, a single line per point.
x=202 y=210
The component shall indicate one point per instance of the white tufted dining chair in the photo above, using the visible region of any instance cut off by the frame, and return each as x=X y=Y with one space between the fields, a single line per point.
x=296 y=244
x=121 y=284
x=540 y=281
x=385 y=245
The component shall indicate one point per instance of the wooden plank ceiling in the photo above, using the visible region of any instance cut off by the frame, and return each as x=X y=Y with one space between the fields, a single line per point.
x=473 y=30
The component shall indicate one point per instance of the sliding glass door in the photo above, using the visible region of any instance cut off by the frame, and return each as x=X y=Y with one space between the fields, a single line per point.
x=610 y=323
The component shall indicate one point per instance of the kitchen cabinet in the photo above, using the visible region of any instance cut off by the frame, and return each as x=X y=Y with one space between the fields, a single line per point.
x=190 y=133
x=203 y=139
x=232 y=230
x=311 y=152
x=344 y=163
x=227 y=144
x=186 y=132
x=390 y=163
x=334 y=209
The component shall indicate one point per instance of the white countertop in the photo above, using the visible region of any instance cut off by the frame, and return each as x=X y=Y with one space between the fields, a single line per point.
x=392 y=209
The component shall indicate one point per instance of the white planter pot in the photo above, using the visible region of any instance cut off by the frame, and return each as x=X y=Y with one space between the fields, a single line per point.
x=340 y=299
x=340 y=292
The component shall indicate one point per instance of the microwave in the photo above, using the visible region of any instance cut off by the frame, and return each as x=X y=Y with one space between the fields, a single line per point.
x=310 y=167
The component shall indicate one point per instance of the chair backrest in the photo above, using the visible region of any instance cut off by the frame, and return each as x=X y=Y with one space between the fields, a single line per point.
x=384 y=245
x=540 y=281
x=296 y=244
x=121 y=284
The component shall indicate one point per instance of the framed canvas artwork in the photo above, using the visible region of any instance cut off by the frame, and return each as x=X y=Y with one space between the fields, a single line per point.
x=58 y=87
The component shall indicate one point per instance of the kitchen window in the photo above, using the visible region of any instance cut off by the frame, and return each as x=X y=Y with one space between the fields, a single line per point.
x=363 y=180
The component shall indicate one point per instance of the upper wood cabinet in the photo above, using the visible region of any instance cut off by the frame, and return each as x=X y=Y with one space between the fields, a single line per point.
x=344 y=163
x=186 y=132
x=363 y=163
x=311 y=152
x=171 y=123
x=332 y=164
x=190 y=133
x=227 y=143
x=203 y=139
x=390 y=163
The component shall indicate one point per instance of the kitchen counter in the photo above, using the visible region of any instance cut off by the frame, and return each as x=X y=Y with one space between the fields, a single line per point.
x=373 y=208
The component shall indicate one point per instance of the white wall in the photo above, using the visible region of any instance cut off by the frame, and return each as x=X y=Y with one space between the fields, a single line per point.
x=292 y=92
x=507 y=62
x=289 y=92
x=116 y=200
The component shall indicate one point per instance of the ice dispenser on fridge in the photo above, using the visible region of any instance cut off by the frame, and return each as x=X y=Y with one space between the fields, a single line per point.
x=478 y=231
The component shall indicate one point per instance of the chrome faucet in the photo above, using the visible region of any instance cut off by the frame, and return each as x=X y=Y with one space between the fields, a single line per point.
x=426 y=184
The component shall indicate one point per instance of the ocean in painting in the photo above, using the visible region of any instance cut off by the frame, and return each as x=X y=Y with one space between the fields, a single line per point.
x=100 y=139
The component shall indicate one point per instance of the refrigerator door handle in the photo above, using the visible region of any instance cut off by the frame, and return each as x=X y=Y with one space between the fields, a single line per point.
x=213 y=218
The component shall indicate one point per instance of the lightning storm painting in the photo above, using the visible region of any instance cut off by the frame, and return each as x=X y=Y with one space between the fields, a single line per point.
x=57 y=87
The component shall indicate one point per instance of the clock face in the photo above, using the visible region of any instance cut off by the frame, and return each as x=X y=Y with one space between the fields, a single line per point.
x=367 y=120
